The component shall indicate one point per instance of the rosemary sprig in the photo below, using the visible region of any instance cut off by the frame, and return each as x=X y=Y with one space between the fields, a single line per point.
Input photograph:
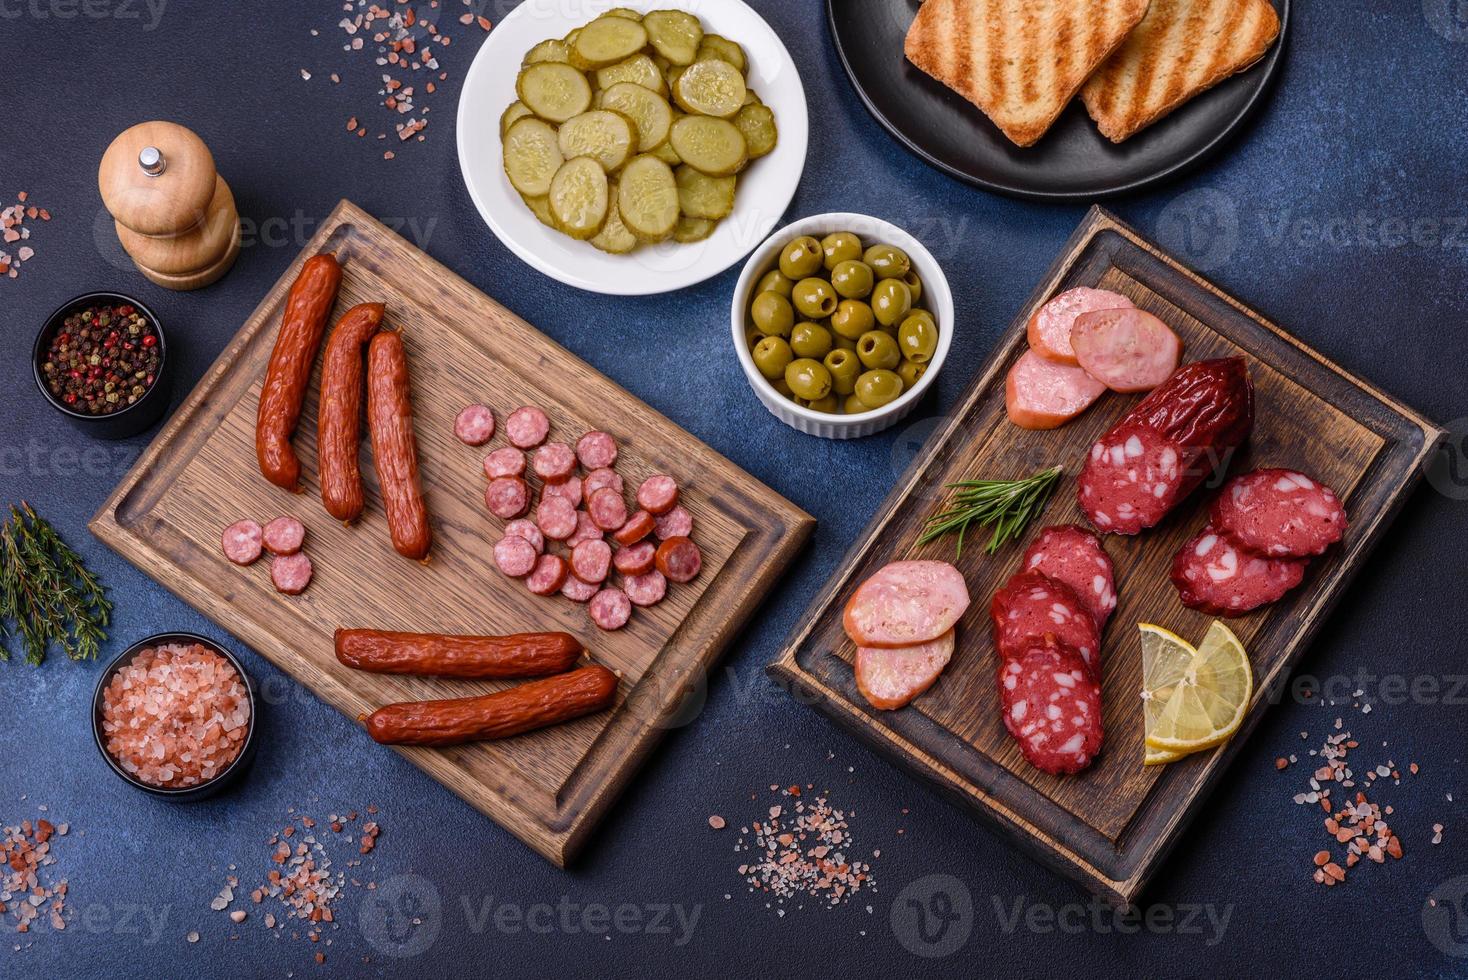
x=47 y=593
x=1005 y=505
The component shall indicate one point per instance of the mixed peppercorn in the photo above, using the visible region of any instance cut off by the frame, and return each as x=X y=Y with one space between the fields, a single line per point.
x=103 y=359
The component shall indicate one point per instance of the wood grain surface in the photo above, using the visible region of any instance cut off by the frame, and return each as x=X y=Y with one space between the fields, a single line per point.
x=200 y=474
x=1110 y=826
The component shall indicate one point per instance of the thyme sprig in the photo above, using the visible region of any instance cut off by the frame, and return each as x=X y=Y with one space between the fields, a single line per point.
x=47 y=594
x=1005 y=505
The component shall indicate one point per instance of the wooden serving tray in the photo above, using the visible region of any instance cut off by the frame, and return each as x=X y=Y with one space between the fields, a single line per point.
x=1110 y=826
x=547 y=787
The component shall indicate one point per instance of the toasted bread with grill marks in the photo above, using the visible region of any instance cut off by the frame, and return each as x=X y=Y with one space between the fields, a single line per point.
x=1181 y=49
x=1020 y=61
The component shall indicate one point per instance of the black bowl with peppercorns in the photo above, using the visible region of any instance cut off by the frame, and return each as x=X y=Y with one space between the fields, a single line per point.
x=101 y=361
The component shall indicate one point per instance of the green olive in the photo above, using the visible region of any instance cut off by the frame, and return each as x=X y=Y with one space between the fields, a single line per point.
x=891 y=302
x=853 y=279
x=914 y=285
x=808 y=378
x=775 y=281
x=772 y=314
x=810 y=340
x=887 y=261
x=801 y=258
x=852 y=319
x=752 y=336
x=771 y=356
x=844 y=366
x=844 y=343
x=877 y=388
x=853 y=405
x=917 y=338
x=814 y=298
x=909 y=372
x=877 y=349
x=784 y=389
x=838 y=248
x=829 y=404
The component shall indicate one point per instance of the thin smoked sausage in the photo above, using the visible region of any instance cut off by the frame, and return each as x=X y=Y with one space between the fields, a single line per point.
x=466 y=657
x=394 y=450
x=339 y=419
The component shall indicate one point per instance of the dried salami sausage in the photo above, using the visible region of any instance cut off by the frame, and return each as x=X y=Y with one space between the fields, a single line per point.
x=1073 y=556
x=1052 y=707
x=1220 y=577
x=1279 y=513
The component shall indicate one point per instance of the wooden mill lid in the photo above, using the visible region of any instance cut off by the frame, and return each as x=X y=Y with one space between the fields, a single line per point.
x=157 y=178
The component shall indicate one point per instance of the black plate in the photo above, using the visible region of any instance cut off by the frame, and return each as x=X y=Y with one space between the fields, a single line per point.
x=1072 y=162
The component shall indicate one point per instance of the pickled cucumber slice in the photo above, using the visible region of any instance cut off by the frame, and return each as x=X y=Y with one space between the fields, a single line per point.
x=638 y=69
x=627 y=12
x=715 y=146
x=532 y=156
x=540 y=207
x=715 y=46
x=552 y=49
x=690 y=230
x=710 y=88
x=649 y=111
x=607 y=137
x=578 y=198
x=512 y=115
x=757 y=124
x=674 y=34
x=667 y=154
x=606 y=41
x=614 y=238
x=554 y=91
x=647 y=197
x=702 y=196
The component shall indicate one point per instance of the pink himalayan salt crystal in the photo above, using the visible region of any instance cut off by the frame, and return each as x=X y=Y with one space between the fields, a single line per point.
x=176 y=715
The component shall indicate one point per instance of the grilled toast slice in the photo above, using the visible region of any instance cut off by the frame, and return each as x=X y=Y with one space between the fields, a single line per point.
x=1181 y=49
x=1020 y=61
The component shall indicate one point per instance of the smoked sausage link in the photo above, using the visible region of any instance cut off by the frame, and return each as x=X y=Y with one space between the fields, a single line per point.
x=284 y=391
x=394 y=450
x=339 y=418
x=528 y=706
x=467 y=657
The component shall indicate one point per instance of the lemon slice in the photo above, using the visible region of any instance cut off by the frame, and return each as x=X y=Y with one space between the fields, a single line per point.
x=1193 y=699
x=1160 y=757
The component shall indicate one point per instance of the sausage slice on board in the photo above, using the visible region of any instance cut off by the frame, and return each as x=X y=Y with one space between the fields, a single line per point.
x=1280 y=513
x=891 y=678
x=906 y=603
x=1221 y=578
x=1073 y=556
x=1052 y=707
x=1032 y=606
x=1049 y=330
x=1041 y=394
x=1126 y=350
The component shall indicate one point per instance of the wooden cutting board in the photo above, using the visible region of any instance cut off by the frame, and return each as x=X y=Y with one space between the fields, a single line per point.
x=1110 y=826
x=547 y=787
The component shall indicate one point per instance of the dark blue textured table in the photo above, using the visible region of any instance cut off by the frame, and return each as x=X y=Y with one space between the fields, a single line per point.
x=1340 y=214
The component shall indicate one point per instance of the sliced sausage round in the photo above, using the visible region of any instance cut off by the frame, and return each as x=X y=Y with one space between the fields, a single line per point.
x=1041 y=394
x=291 y=573
x=505 y=461
x=600 y=479
x=591 y=561
x=1032 y=605
x=906 y=603
x=1221 y=578
x=586 y=530
x=1049 y=330
x=658 y=494
x=507 y=497
x=474 y=425
x=596 y=450
x=610 y=609
x=676 y=523
x=891 y=678
x=1052 y=707
x=242 y=542
x=1073 y=556
x=647 y=589
x=638 y=526
x=1132 y=478
x=607 y=508
x=679 y=559
x=556 y=518
x=578 y=591
x=548 y=575
x=555 y=462
x=570 y=489
x=638 y=559
x=515 y=555
x=526 y=529
x=1126 y=350
x=1279 y=513
x=284 y=536
x=527 y=427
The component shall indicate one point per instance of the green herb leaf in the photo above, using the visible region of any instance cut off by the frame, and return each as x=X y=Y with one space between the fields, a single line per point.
x=1006 y=506
x=47 y=594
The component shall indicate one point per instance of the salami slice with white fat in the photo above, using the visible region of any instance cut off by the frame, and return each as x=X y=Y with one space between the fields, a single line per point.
x=586 y=530
x=906 y=603
x=610 y=609
x=507 y=497
x=284 y=536
x=578 y=591
x=1126 y=350
x=242 y=542
x=505 y=461
x=658 y=494
x=637 y=559
x=527 y=530
x=1132 y=479
x=1049 y=330
x=647 y=589
x=1052 y=707
x=591 y=561
x=570 y=489
x=607 y=509
x=527 y=427
x=890 y=678
x=596 y=450
x=548 y=575
x=1033 y=605
x=554 y=462
x=474 y=425
x=601 y=479
x=1279 y=513
x=556 y=518
x=1222 y=578
x=676 y=523
x=1073 y=556
x=291 y=573
x=1041 y=394
x=515 y=556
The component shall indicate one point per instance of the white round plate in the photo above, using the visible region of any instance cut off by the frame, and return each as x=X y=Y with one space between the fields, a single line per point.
x=766 y=187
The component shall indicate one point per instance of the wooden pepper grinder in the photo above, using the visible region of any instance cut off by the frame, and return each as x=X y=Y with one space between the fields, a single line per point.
x=174 y=214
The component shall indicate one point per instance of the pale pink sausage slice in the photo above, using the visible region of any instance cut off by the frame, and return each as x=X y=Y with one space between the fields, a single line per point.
x=890 y=678
x=1280 y=513
x=515 y=555
x=284 y=536
x=291 y=573
x=1040 y=394
x=1126 y=350
x=906 y=603
x=242 y=542
x=527 y=427
x=474 y=425
x=1049 y=329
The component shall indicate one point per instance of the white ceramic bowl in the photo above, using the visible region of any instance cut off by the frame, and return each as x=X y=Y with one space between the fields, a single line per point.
x=937 y=299
x=766 y=186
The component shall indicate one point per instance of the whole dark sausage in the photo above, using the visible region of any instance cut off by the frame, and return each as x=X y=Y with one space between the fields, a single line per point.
x=467 y=657
x=284 y=391
x=339 y=418
x=394 y=450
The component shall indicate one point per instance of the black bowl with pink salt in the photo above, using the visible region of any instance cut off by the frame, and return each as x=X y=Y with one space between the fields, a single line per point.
x=174 y=716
